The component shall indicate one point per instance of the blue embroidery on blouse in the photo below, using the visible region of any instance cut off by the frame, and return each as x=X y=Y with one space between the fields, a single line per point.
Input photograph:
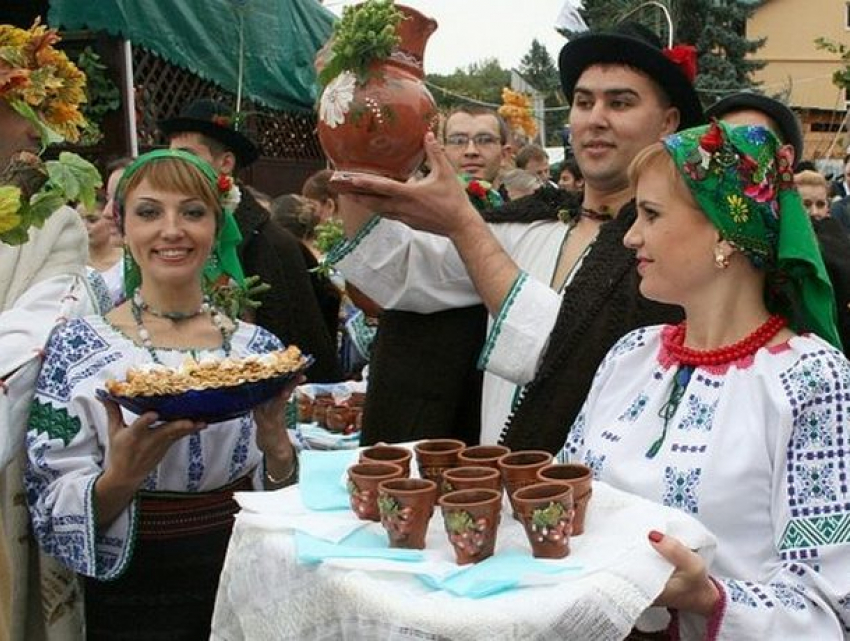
x=196 y=463
x=263 y=341
x=791 y=596
x=738 y=593
x=575 y=439
x=240 y=450
x=594 y=462
x=72 y=343
x=635 y=409
x=816 y=482
x=814 y=429
x=681 y=488
x=698 y=415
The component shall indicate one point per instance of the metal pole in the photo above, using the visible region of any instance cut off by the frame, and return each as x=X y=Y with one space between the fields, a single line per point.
x=130 y=98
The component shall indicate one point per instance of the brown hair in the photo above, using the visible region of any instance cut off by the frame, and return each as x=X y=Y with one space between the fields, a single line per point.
x=479 y=110
x=528 y=153
x=295 y=213
x=317 y=186
x=173 y=175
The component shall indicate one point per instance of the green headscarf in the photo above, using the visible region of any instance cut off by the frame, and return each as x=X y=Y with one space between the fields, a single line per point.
x=742 y=179
x=223 y=262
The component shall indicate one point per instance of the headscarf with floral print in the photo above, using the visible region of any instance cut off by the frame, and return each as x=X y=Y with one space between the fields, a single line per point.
x=742 y=179
x=223 y=263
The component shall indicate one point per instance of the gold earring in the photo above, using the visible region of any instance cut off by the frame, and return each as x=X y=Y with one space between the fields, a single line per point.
x=721 y=261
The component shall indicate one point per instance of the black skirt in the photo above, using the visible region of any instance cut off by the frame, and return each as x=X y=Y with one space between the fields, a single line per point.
x=168 y=590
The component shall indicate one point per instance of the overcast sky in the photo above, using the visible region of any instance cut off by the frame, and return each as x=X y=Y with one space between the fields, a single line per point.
x=471 y=30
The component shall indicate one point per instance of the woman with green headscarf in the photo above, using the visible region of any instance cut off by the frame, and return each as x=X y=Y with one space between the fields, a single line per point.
x=738 y=415
x=142 y=509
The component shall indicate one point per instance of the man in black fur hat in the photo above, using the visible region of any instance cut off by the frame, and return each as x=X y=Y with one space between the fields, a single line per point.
x=560 y=295
x=289 y=309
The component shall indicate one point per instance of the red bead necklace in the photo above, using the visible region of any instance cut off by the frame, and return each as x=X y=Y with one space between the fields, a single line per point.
x=674 y=343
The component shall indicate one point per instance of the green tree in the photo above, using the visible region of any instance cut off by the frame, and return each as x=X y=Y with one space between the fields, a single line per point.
x=715 y=27
x=480 y=82
x=539 y=70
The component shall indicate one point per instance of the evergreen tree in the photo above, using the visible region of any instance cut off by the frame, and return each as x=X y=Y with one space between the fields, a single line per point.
x=481 y=81
x=715 y=27
x=539 y=70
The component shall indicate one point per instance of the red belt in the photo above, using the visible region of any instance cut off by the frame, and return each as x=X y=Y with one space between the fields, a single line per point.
x=167 y=515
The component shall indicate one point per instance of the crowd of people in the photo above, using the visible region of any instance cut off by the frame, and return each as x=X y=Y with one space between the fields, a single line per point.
x=669 y=305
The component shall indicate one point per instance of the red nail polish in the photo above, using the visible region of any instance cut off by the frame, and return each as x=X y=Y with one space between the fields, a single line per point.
x=655 y=536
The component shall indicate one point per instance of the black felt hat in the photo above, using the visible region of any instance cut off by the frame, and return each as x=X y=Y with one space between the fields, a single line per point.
x=213 y=119
x=781 y=114
x=631 y=44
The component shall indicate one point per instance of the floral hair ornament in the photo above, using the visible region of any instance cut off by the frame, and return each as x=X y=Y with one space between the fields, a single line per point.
x=41 y=83
x=223 y=264
x=741 y=179
x=684 y=57
x=480 y=193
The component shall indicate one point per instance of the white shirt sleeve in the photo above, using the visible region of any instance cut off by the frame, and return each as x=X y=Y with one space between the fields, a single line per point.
x=401 y=268
x=24 y=330
x=520 y=334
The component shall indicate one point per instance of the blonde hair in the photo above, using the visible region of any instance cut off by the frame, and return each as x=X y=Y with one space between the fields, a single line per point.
x=809 y=178
x=655 y=155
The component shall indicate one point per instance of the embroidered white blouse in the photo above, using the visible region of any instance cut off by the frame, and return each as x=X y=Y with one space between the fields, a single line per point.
x=67 y=443
x=757 y=451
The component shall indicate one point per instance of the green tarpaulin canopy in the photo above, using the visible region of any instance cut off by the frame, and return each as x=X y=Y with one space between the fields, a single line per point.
x=281 y=38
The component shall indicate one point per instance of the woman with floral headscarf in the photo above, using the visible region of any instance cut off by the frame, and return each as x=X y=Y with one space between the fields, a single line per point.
x=738 y=415
x=144 y=511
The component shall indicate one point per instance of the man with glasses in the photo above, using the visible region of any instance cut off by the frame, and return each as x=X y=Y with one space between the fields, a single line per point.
x=476 y=142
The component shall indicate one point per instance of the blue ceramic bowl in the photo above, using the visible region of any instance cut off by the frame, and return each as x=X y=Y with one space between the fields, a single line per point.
x=207 y=405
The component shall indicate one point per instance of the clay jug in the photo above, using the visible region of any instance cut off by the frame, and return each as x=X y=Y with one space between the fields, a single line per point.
x=377 y=125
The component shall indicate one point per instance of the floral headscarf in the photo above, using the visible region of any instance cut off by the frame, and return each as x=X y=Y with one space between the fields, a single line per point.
x=223 y=263
x=742 y=179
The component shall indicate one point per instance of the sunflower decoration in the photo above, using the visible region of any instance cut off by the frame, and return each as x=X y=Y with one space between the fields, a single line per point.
x=517 y=112
x=43 y=86
x=40 y=82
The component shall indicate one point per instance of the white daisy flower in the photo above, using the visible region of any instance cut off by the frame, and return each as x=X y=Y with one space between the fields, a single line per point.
x=337 y=98
x=232 y=198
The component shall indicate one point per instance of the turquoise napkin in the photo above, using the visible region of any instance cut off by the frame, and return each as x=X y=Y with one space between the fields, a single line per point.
x=494 y=575
x=320 y=479
x=359 y=545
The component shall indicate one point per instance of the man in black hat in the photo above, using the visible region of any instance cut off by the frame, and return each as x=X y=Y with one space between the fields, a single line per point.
x=747 y=108
x=549 y=334
x=289 y=309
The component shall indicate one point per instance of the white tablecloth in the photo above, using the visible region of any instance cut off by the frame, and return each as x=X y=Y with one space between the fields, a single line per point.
x=266 y=594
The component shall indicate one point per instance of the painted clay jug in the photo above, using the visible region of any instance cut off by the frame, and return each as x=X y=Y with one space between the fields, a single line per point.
x=377 y=126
